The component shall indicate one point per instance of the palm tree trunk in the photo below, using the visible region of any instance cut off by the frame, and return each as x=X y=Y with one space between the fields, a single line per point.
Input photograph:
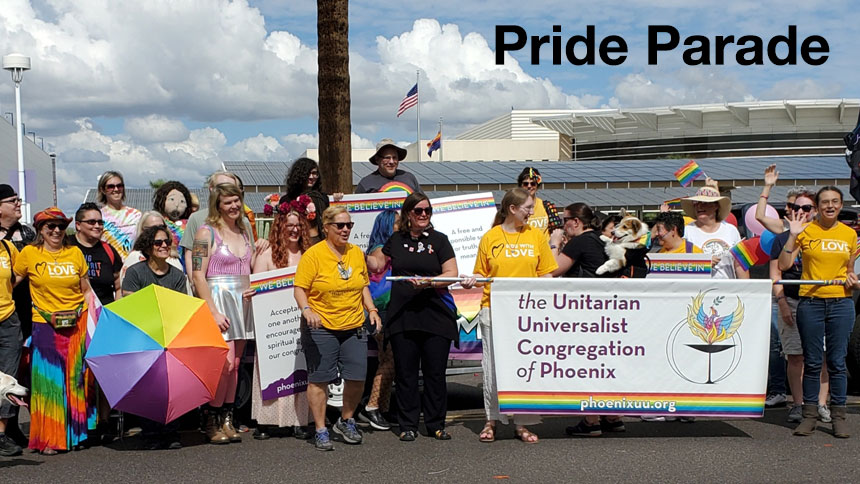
x=335 y=148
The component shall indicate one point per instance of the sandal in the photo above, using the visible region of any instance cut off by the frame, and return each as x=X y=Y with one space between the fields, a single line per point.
x=488 y=433
x=48 y=451
x=526 y=436
x=442 y=434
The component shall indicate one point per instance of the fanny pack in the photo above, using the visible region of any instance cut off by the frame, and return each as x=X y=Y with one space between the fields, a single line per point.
x=61 y=319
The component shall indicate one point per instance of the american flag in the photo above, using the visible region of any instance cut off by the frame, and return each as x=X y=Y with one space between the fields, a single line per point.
x=410 y=100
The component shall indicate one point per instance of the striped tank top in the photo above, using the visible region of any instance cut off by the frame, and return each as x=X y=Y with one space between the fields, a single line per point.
x=222 y=262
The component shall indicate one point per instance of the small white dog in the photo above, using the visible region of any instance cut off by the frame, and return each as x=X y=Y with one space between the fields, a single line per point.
x=11 y=391
x=630 y=233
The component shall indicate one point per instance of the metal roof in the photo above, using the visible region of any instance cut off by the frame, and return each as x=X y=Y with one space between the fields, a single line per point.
x=593 y=171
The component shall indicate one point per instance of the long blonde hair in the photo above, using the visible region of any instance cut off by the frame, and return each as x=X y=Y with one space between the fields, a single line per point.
x=224 y=190
x=513 y=198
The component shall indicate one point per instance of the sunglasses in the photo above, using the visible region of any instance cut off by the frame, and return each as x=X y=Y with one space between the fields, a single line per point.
x=422 y=211
x=796 y=207
x=54 y=226
x=529 y=184
x=93 y=222
x=161 y=242
x=342 y=225
x=112 y=186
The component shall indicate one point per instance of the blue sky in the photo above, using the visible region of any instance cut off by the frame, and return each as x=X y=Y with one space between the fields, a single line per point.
x=184 y=85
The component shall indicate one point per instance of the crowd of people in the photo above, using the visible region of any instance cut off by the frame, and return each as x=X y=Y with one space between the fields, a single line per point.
x=348 y=307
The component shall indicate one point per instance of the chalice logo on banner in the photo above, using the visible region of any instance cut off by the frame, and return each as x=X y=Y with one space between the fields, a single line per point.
x=705 y=346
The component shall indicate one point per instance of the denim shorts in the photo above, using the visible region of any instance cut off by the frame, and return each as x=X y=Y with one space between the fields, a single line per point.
x=329 y=352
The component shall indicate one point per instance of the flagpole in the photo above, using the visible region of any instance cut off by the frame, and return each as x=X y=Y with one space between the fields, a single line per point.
x=418 y=114
x=440 y=139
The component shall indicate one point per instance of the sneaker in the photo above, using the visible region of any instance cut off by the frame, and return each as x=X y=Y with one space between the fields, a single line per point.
x=583 y=429
x=824 y=414
x=687 y=419
x=374 y=418
x=660 y=418
x=775 y=400
x=795 y=415
x=322 y=441
x=347 y=430
x=8 y=448
x=612 y=425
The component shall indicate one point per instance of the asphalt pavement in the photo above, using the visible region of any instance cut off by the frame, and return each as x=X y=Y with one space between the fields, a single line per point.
x=746 y=450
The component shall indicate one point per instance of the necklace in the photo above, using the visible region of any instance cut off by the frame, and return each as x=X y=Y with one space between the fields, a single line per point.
x=505 y=235
x=342 y=269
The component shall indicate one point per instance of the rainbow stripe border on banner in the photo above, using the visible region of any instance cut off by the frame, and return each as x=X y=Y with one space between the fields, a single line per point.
x=274 y=284
x=683 y=266
x=686 y=404
x=372 y=205
x=470 y=204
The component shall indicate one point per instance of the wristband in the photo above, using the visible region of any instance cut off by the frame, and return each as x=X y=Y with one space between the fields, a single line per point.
x=553 y=246
x=374 y=310
x=305 y=308
x=788 y=251
x=763 y=196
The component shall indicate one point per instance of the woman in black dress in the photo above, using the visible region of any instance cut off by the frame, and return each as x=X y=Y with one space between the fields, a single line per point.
x=421 y=320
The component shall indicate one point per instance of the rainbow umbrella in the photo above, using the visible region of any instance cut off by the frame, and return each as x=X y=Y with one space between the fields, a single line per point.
x=157 y=353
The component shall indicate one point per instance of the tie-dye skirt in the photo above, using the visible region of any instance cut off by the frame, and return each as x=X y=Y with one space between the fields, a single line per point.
x=63 y=392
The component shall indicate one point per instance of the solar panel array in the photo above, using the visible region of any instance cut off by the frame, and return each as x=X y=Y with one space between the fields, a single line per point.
x=603 y=171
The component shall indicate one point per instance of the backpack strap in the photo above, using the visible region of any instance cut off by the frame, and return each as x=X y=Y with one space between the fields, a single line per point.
x=11 y=262
x=109 y=251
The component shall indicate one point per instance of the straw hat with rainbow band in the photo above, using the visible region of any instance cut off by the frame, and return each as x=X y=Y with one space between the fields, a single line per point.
x=707 y=194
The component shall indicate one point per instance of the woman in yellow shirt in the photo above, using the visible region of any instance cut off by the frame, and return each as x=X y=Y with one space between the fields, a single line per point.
x=62 y=405
x=546 y=217
x=331 y=288
x=532 y=258
x=825 y=314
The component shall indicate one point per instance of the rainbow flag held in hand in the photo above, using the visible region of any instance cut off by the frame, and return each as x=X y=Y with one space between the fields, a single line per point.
x=674 y=204
x=689 y=172
x=749 y=253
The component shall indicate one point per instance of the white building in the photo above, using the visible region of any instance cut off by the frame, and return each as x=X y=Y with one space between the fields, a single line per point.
x=759 y=128
x=38 y=171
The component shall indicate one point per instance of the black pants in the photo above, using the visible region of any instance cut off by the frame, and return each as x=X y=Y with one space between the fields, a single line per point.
x=414 y=350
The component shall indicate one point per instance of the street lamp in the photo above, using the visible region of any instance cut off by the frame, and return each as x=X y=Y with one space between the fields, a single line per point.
x=17 y=64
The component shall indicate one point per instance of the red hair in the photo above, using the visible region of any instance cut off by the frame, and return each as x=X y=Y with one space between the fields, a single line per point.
x=279 y=237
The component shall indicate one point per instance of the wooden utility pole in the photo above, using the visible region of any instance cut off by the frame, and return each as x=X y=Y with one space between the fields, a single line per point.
x=335 y=147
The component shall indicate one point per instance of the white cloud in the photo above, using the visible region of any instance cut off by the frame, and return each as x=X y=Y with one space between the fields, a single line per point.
x=155 y=128
x=683 y=86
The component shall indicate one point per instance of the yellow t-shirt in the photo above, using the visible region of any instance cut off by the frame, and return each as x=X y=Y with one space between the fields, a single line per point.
x=500 y=254
x=686 y=247
x=55 y=278
x=825 y=254
x=7 y=304
x=337 y=301
x=540 y=219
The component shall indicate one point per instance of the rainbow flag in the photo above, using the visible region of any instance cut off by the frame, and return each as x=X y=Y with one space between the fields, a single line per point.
x=689 y=172
x=749 y=253
x=674 y=204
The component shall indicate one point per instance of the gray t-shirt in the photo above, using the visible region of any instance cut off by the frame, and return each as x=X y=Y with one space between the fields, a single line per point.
x=197 y=220
x=140 y=275
x=374 y=182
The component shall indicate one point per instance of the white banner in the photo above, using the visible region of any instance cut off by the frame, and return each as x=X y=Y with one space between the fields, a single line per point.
x=679 y=266
x=277 y=321
x=465 y=219
x=631 y=346
x=363 y=209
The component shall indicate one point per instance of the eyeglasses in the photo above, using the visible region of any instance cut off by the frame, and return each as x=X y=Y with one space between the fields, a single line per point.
x=13 y=201
x=529 y=183
x=314 y=173
x=422 y=211
x=112 y=186
x=389 y=157
x=568 y=219
x=93 y=222
x=796 y=207
x=54 y=226
x=160 y=242
x=342 y=225
x=293 y=226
